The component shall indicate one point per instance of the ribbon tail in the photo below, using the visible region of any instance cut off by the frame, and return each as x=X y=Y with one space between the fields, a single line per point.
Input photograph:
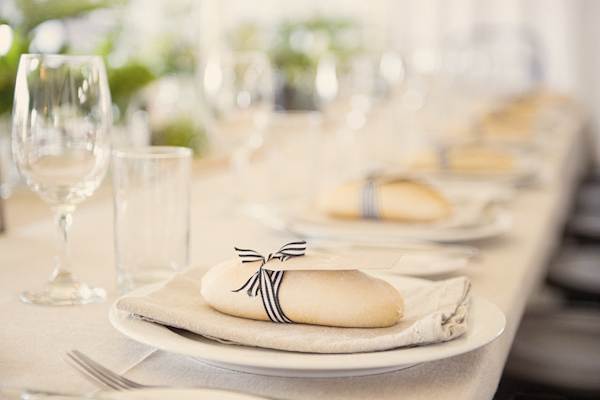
x=253 y=285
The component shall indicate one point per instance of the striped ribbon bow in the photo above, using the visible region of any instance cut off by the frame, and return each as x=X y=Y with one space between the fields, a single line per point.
x=267 y=282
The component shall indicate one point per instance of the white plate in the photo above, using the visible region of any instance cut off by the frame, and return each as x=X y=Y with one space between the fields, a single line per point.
x=142 y=394
x=527 y=171
x=501 y=222
x=179 y=394
x=486 y=323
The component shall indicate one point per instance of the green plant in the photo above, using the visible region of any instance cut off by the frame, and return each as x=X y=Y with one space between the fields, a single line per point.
x=8 y=69
x=27 y=15
x=300 y=47
x=183 y=131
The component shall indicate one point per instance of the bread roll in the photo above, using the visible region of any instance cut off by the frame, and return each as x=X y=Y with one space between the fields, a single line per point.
x=399 y=200
x=469 y=158
x=341 y=298
x=482 y=158
x=513 y=121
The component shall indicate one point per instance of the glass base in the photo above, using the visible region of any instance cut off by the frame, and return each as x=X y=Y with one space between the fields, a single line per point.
x=129 y=279
x=54 y=294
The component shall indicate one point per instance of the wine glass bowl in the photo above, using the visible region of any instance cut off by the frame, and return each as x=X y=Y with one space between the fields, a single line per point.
x=238 y=87
x=239 y=90
x=61 y=145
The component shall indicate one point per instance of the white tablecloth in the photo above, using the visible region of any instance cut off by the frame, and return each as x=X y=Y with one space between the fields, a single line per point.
x=33 y=339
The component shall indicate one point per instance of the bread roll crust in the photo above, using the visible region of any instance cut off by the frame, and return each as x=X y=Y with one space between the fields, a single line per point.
x=341 y=298
x=468 y=158
x=399 y=200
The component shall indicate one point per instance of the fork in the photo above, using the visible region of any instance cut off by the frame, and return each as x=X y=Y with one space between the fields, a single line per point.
x=101 y=377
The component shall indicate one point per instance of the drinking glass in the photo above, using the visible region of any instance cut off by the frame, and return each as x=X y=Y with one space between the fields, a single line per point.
x=238 y=87
x=151 y=188
x=61 y=146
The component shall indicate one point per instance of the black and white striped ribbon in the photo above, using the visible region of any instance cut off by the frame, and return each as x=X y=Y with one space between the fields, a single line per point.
x=369 y=204
x=267 y=282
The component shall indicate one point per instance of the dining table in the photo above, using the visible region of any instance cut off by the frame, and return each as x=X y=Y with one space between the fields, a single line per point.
x=508 y=269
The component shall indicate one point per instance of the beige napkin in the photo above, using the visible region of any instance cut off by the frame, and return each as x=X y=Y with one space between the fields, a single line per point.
x=435 y=312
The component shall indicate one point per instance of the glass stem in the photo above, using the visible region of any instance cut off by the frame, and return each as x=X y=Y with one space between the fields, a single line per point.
x=63 y=218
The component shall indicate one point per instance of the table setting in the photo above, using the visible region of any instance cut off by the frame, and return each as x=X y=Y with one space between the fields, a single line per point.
x=385 y=284
x=340 y=350
x=477 y=161
x=432 y=211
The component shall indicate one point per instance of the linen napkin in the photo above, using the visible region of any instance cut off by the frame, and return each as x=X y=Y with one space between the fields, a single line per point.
x=434 y=312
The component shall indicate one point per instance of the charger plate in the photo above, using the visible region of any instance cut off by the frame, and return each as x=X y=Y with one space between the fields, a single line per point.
x=486 y=323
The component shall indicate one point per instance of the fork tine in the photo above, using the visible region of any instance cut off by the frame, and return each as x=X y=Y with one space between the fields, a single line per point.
x=89 y=374
x=105 y=376
x=124 y=382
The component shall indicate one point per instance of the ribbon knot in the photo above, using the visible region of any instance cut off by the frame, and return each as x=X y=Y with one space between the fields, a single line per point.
x=267 y=282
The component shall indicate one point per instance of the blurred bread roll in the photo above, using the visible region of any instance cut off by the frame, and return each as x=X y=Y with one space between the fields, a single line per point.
x=509 y=124
x=341 y=298
x=477 y=157
x=398 y=200
x=470 y=158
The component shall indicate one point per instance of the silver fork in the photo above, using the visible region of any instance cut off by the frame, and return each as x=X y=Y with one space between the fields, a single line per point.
x=101 y=377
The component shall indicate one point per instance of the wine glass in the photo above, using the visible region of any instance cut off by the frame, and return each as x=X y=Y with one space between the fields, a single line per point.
x=349 y=92
x=238 y=87
x=61 y=146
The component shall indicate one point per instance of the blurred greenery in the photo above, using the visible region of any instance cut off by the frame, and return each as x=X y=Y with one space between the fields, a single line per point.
x=295 y=51
x=300 y=45
x=183 y=131
x=169 y=55
x=125 y=80
x=34 y=12
x=8 y=70
x=23 y=18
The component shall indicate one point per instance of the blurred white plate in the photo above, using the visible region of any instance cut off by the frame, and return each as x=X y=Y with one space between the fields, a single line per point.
x=312 y=224
x=478 y=213
x=486 y=323
x=527 y=170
